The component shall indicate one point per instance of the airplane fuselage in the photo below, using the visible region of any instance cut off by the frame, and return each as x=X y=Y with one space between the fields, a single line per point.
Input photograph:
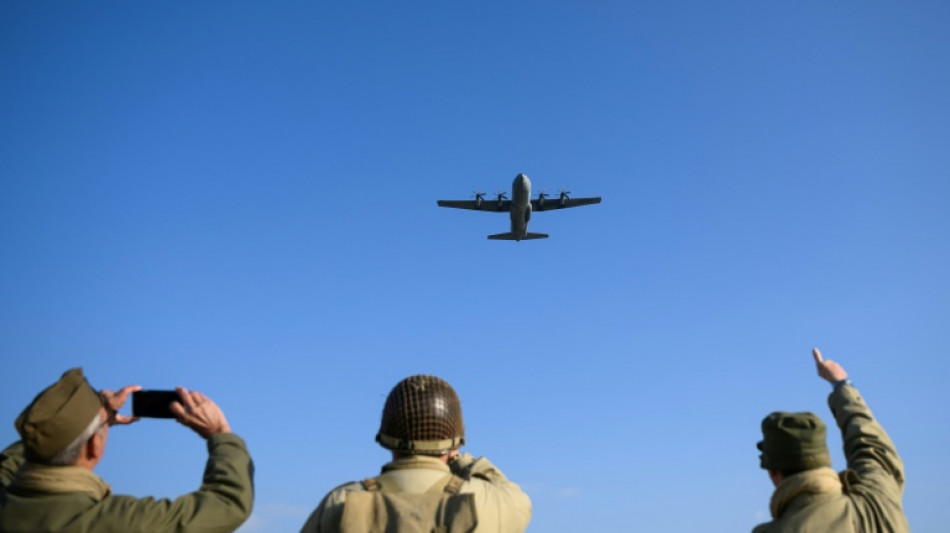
x=520 y=206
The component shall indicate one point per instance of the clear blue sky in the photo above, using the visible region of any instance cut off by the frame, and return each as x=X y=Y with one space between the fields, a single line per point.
x=240 y=197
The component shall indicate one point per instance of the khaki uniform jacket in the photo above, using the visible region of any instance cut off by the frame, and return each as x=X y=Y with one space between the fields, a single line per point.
x=866 y=498
x=500 y=505
x=222 y=503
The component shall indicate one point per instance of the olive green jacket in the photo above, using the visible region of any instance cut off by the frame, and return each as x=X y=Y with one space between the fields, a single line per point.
x=866 y=498
x=41 y=499
x=500 y=505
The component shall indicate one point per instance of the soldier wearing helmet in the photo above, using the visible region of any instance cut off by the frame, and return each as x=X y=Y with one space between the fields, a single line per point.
x=809 y=495
x=429 y=485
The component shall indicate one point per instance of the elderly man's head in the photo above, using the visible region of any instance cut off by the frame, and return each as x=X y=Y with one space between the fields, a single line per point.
x=66 y=424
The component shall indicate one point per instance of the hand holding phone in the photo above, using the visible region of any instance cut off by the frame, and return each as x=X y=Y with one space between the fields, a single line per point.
x=113 y=401
x=198 y=412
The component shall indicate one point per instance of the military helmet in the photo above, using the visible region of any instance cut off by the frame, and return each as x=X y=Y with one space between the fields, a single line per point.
x=422 y=416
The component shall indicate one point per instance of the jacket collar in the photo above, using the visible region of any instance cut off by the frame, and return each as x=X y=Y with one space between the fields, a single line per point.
x=60 y=479
x=417 y=461
x=817 y=481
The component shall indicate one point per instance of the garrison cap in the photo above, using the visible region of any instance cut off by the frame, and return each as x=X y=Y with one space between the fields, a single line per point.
x=793 y=441
x=58 y=415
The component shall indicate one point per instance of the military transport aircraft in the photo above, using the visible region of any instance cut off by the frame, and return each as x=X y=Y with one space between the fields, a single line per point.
x=520 y=207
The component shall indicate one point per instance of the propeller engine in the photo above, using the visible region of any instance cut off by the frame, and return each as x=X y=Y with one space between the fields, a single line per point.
x=564 y=195
x=479 y=197
x=541 y=197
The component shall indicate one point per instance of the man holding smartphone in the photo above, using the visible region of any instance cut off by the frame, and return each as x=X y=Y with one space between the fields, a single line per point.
x=49 y=485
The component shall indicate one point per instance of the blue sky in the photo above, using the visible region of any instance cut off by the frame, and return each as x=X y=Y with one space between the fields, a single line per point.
x=240 y=198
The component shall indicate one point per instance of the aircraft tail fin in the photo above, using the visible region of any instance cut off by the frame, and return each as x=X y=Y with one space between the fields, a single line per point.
x=511 y=236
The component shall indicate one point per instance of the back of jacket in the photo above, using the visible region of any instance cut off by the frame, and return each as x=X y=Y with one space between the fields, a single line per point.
x=386 y=508
x=500 y=506
x=869 y=495
x=222 y=503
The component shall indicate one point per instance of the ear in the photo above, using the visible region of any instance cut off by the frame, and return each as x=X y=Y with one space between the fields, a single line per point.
x=95 y=447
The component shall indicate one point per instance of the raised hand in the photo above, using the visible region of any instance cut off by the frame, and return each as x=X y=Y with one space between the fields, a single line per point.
x=113 y=401
x=198 y=412
x=829 y=370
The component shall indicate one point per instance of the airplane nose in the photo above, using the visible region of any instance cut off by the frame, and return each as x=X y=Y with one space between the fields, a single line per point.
x=520 y=179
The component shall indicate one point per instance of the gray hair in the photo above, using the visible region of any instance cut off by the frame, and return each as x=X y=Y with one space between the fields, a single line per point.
x=70 y=454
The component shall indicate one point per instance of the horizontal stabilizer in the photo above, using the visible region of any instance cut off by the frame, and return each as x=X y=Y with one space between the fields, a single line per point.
x=513 y=237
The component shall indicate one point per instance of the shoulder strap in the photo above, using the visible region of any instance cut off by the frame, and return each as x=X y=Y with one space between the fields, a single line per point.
x=379 y=484
x=454 y=485
x=456 y=511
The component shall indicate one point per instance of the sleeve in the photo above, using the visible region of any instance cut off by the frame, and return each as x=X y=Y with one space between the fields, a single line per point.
x=870 y=452
x=11 y=459
x=222 y=504
x=313 y=522
x=493 y=491
x=326 y=517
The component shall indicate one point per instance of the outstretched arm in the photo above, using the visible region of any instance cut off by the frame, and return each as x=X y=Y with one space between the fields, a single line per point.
x=869 y=450
x=226 y=496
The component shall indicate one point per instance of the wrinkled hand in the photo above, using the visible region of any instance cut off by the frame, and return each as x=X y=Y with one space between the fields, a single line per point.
x=829 y=370
x=113 y=401
x=198 y=412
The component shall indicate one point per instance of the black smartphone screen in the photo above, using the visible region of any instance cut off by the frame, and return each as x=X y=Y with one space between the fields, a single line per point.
x=154 y=403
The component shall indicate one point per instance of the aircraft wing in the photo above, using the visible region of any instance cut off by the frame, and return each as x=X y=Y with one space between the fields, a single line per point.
x=492 y=206
x=555 y=203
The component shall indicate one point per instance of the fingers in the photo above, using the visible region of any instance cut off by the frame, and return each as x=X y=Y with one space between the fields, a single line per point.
x=122 y=396
x=191 y=401
x=181 y=409
x=198 y=412
x=118 y=400
x=178 y=410
x=113 y=401
x=187 y=399
x=125 y=419
x=828 y=370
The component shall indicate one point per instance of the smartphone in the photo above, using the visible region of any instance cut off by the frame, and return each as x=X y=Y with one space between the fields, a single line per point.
x=154 y=403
